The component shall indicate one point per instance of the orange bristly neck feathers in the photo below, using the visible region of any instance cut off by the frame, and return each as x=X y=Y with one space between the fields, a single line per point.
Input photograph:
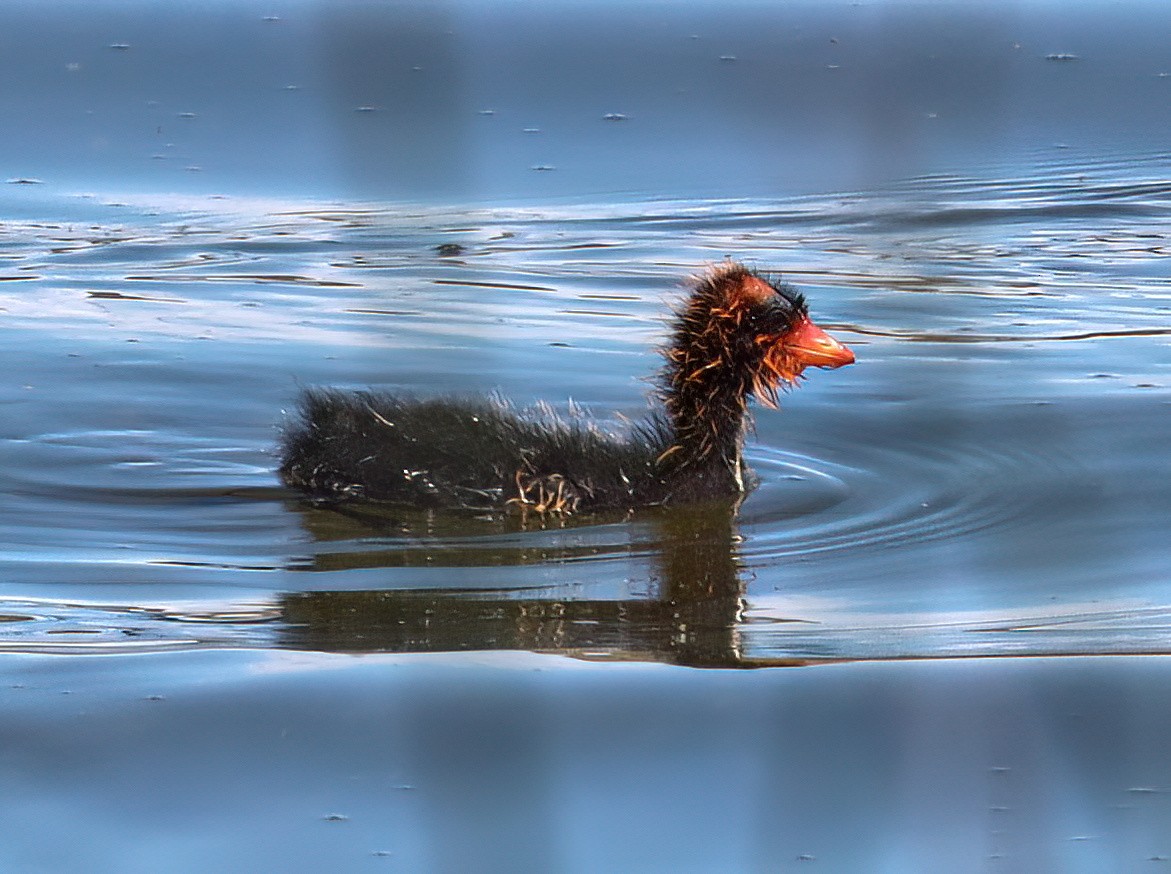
x=716 y=357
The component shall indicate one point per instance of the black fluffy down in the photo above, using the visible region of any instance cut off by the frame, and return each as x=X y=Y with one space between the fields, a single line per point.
x=471 y=453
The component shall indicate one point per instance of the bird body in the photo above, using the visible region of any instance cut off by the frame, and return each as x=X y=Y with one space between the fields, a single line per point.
x=735 y=335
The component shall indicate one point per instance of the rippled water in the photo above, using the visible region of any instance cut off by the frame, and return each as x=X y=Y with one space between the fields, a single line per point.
x=989 y=479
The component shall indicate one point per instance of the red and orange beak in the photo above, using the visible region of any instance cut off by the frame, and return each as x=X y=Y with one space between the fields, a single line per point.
x=813 y=347
x=803 y=345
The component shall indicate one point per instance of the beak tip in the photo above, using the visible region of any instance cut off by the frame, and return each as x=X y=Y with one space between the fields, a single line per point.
x=831 y=359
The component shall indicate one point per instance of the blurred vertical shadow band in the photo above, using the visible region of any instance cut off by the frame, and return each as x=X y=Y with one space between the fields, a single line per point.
x=398 y=98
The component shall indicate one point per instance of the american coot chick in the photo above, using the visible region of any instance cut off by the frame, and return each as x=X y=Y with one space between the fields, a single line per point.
x=736 y=334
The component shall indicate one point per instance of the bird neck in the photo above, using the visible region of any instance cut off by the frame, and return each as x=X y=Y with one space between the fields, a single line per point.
x=711 y=359
x=709 y=427
x=706 y=404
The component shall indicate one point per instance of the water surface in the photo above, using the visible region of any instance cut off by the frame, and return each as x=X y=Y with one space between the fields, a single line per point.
x=210 y=209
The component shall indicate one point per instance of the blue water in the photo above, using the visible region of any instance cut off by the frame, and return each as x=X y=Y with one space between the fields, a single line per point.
x=953 y=574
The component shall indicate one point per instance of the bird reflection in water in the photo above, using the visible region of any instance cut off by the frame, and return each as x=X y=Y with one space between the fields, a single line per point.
x=690 y=613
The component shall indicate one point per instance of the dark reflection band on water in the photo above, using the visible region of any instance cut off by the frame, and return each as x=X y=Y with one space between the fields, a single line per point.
x=691 y=615
x=694 y=611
